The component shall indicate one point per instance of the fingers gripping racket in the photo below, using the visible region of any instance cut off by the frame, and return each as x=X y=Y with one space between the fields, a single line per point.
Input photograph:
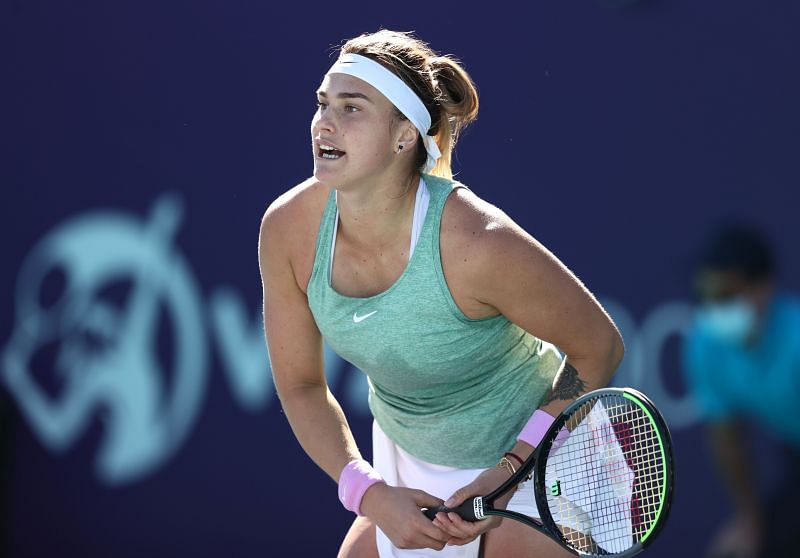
x=603 y=476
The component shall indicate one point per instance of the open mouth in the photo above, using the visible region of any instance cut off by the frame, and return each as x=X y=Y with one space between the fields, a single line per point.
x=329 y=152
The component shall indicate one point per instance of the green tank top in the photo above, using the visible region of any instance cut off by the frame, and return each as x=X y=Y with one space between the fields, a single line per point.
x=447 y=389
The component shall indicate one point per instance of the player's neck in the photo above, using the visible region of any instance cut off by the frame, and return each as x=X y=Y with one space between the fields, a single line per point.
x=376 y=214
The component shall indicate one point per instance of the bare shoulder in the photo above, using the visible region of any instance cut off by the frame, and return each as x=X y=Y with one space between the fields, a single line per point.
x=472 y=225
x=292 y=210
x=287 y=238
x=492 y=265
x=481 y=247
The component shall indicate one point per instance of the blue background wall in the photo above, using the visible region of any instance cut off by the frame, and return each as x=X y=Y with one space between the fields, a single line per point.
x=141 y=142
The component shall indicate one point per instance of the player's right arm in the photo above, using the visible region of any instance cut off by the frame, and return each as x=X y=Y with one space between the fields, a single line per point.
x=295 y=347
x=296 y=357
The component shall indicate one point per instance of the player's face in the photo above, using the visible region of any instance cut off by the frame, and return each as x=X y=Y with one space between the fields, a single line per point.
x=352 y=132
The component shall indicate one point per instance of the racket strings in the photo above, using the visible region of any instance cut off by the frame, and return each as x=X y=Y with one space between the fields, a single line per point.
x=606 y=482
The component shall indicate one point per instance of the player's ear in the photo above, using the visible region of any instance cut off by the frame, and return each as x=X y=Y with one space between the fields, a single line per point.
x=406 y=136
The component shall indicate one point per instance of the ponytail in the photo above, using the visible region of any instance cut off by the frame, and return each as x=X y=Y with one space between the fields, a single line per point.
x=458 y=102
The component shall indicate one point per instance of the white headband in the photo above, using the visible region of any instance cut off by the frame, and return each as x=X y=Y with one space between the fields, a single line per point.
x=398 y=93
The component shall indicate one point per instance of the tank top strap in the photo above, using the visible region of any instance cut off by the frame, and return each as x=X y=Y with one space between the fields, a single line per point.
x=325 y=235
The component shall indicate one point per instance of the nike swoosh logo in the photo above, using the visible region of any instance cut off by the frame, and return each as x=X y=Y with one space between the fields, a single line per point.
x=357 y=318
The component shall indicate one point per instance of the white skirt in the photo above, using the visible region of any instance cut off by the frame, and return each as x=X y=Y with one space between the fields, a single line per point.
x=399 y=468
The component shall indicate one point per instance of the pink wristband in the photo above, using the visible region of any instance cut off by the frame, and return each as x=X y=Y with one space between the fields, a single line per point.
x=357 y=476
x=536 y=428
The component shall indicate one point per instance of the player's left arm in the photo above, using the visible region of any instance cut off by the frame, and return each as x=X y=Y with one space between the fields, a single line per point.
x=492 y=267
x=508 y=271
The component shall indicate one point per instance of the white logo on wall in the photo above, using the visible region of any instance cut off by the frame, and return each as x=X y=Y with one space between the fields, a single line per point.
x=140 y=359
x=106 y=356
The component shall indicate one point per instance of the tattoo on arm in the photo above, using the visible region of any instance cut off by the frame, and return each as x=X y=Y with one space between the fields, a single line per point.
x=567 y=386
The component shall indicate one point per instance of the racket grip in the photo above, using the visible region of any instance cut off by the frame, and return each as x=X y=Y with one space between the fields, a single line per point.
x=468 y=510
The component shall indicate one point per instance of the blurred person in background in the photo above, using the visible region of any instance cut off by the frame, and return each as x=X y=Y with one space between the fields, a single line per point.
x=742 y=364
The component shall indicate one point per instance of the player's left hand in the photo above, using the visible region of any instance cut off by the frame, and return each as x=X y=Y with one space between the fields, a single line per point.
x=463 y=532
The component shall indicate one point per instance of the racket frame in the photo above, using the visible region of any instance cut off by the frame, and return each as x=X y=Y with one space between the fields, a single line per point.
x=482 y=507
x=549 y=525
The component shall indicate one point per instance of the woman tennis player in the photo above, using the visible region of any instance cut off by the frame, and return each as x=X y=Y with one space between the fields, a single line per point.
x=451 y=309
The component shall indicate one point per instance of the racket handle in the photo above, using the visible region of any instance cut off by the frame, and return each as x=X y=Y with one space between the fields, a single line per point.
x=467 y=510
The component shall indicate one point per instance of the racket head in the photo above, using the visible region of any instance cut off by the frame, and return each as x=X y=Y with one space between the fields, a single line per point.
x=604 y=474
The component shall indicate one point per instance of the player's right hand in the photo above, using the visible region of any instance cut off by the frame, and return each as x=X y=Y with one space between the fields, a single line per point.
x=396 y=511
x=464 y=532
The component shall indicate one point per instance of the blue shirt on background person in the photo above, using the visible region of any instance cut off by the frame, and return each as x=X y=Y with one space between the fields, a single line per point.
x=759 y=381
x=741 y=361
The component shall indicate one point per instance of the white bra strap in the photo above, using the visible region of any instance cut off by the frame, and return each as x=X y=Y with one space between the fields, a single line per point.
x=421 y=203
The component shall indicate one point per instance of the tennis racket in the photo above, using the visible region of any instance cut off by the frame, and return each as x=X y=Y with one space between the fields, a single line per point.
x=602 y=476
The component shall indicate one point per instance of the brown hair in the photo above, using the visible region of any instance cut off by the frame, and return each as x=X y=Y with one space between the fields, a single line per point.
x=439 y=81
